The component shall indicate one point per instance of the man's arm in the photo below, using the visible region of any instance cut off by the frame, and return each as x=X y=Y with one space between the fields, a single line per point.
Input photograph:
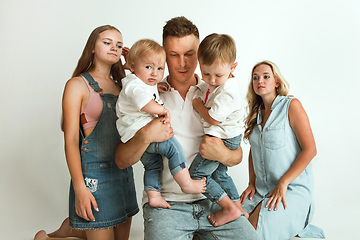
x=213 y=148
x=129 y=153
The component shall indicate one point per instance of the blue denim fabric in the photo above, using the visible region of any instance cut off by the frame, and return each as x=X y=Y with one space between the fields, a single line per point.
x=182 y=220
x=274 y=149
x=218 y=183
x=152 y=161
x=113 y=188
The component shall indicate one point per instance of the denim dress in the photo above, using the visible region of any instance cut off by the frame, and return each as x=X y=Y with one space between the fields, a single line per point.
x=274 y=149
x=113 y=188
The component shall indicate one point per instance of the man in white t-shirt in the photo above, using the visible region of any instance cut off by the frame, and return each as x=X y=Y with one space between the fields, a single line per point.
x=188 y=212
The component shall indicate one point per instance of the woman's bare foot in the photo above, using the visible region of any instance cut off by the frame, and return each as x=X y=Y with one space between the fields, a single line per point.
x=41 y=235
x=224 y=216
x=156 y=200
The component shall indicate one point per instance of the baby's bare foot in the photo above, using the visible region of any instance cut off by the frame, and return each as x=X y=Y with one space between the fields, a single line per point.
x=224 y=216
x=195 y=186
x=238 y=204
x=156 y=200
x=159 y=202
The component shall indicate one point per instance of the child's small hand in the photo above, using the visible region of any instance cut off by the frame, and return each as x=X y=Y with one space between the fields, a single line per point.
x=162 y=87
x=197 y=102
x=125 y=53
x=166 y=114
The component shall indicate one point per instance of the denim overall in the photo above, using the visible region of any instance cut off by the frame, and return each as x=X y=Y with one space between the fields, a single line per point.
x=113 y=188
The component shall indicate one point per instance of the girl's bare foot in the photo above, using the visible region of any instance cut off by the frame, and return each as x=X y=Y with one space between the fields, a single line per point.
x=224 y=216
x=156 y=200
x=63 y=231
x=41 y=235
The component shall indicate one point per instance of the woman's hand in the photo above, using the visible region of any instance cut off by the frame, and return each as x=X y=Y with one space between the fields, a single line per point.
x=248 y=192
x=83 y=201
x=277 y=196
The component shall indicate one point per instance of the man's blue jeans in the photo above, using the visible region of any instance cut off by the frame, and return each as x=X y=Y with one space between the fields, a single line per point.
x=182 y=220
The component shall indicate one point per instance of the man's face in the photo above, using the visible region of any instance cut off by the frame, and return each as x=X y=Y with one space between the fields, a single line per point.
x=181 y=57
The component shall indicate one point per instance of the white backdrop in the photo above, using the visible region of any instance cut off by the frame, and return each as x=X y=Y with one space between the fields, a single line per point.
x=315 y=44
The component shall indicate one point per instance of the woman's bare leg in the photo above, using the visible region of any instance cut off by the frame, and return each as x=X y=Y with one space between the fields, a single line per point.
x=120 y=232
x=64 y=231
x=254 y=216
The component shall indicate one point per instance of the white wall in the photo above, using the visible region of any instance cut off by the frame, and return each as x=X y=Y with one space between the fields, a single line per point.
x=315 y=44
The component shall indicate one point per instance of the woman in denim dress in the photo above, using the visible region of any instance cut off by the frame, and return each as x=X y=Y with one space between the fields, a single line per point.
x=102 y=197
x=279 y=197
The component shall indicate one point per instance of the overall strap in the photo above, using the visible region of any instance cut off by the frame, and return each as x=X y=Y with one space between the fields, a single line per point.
x=94 y=84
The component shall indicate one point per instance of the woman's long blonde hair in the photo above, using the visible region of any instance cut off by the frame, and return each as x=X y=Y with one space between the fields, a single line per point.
x=86 y=61
x=255 y=102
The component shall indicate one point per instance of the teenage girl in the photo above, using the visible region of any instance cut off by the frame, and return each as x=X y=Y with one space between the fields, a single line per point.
x=102 y=197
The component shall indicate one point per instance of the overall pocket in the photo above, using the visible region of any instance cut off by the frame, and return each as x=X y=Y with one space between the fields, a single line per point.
x=98 y=175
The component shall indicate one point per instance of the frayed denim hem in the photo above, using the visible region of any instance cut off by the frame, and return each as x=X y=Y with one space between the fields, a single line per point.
x=102 y=224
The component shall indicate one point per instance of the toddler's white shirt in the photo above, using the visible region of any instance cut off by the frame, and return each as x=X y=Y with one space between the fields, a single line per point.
x=134 y=95
x=225 y=106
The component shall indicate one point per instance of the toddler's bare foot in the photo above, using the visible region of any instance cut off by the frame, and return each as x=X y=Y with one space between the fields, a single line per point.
x=156 y=200
x=238 y=204
x=224 y=216
x=194 y=186
x=159 y=203
x=41 y=235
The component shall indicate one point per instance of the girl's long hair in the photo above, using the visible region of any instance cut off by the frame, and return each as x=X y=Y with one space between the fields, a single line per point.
x=86 y=61
x=255 y=102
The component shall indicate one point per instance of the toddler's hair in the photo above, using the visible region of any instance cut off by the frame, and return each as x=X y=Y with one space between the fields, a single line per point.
x=144 y=47
x=217 y=46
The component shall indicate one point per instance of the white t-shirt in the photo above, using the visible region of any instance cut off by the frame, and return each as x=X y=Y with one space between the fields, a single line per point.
x=134 y=95
x=225 y=106
x=188 y=130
